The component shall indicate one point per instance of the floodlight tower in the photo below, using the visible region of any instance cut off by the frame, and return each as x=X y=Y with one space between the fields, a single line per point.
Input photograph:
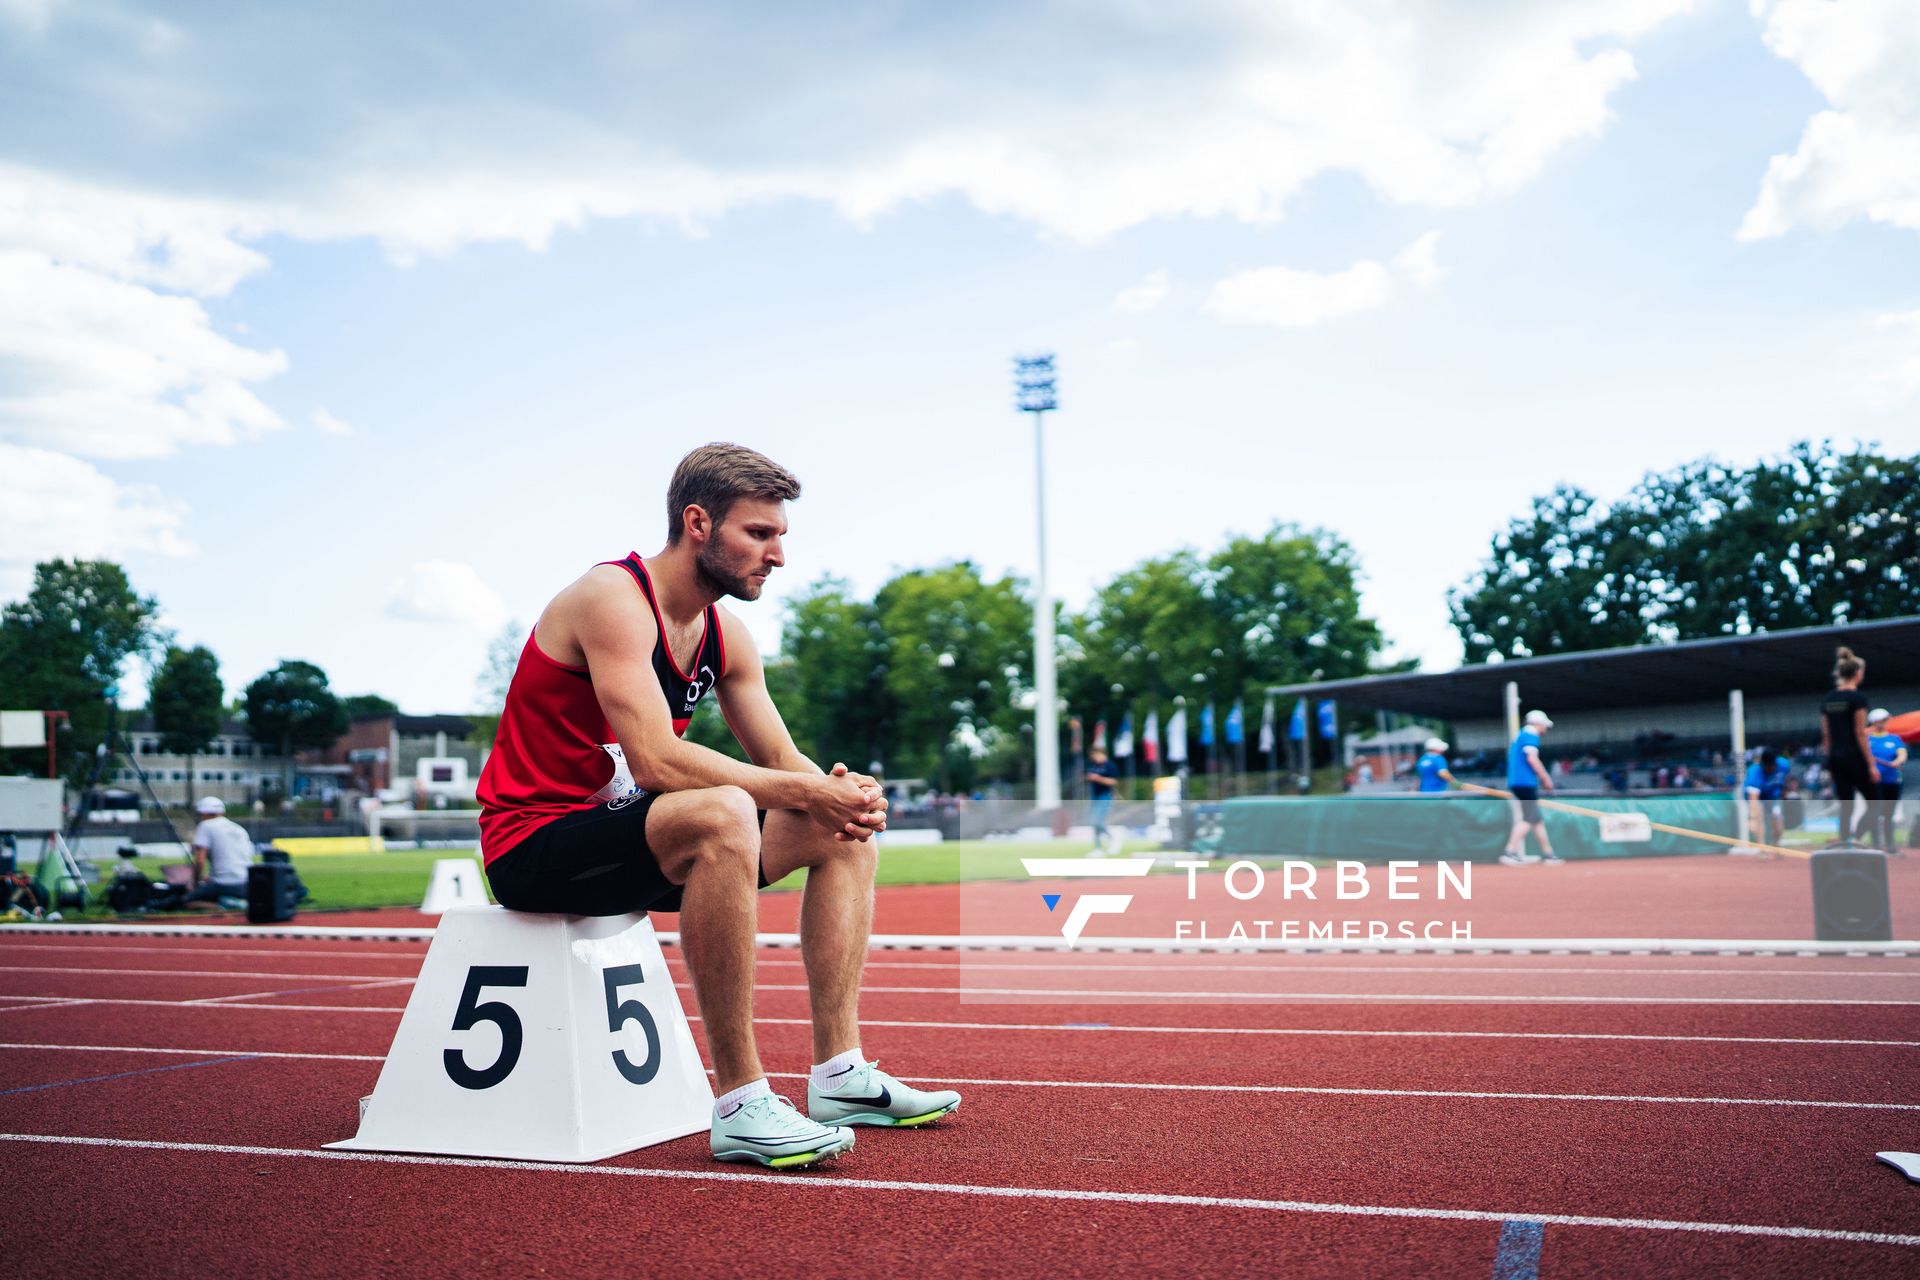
x=1034 y=394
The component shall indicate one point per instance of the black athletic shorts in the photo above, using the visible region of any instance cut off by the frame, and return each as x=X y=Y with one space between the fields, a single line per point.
x=596 y=862
x=1529 y=798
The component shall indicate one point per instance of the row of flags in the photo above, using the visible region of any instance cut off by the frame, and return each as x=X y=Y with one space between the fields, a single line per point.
x=1232 y=730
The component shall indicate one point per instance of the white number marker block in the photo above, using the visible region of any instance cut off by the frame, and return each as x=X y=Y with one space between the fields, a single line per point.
x=536 y=1037
x=457 y=882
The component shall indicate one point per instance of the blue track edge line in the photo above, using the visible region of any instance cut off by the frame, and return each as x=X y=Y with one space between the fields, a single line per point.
x=1518 y=1257
x=122 y=1075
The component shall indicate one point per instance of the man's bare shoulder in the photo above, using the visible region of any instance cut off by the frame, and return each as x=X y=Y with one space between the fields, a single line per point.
x=600 y=602
x=742 y=652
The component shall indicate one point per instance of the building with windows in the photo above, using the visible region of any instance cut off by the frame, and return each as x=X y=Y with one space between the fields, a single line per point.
x=233 y=767
x=414 y=759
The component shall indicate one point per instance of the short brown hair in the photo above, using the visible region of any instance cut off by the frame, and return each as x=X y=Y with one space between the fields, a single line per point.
x=715 y=476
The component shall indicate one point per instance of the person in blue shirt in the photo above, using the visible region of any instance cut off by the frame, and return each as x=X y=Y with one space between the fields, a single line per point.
x=1432 y=767
x=1766 y=785
x=1889 y=753
x=1101 y=784
x=1526 y=777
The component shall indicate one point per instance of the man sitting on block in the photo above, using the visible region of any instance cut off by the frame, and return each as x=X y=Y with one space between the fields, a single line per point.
x=592 y=804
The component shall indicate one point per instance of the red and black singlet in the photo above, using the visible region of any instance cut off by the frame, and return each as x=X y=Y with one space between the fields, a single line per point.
x=554 y=752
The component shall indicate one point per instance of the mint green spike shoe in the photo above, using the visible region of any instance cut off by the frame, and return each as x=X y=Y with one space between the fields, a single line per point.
x=868 y=1095
x=769 y=1130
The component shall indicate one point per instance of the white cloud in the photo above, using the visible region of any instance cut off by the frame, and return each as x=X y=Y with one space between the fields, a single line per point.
x=162 y=158
x=52 y=505
x=107 y=368
x=326 y=424
x=1080 y=119
x=1293 y=299
x=446 y=591
x=1860 y=158
x=30 y=14
x=1419 y=262
x=1139 y=299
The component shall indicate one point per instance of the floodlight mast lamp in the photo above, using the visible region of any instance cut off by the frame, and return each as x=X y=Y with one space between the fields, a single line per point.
x=1034 y=394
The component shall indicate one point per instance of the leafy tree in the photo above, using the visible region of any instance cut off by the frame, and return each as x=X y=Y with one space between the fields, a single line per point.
x=368 y=706
x=959 y=657
x=185 y=701
x=1275 y=609
x=292 y=707
x=830 y=680
x=63 y=648
x=1569 y=575
x=1808 y=539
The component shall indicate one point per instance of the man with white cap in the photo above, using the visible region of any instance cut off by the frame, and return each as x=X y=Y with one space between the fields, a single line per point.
x=1432 y=767
x=222 y=851
x=1527 y=776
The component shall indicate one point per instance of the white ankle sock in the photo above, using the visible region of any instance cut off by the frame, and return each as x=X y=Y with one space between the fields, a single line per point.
x=829 y=1074
x=728 y=1103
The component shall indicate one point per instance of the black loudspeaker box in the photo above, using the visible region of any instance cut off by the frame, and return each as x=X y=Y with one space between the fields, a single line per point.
x=272 y=892
x=1850 y=902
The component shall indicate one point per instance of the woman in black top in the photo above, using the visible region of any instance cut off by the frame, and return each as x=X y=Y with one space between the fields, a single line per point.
x=1843 y=739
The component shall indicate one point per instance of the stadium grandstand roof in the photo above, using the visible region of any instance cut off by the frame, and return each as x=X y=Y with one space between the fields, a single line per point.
x=1772 y=662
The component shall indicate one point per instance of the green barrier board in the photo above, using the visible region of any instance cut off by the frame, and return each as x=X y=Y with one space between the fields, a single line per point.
x=1453 y=827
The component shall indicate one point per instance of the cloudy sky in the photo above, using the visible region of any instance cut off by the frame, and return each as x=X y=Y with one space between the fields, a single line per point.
x=354 y=330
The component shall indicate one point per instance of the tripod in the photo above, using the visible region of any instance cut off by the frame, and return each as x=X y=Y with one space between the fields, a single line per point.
x=106 y=756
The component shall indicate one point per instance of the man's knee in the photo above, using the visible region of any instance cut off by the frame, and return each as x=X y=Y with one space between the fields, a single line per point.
x=726 y=828
x=863 y=856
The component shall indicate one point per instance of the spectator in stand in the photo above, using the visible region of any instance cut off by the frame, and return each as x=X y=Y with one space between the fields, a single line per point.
x=222 y=851
x=1889 y=753
x=1843 y=740
x=1432 y=767
x=1766 y=788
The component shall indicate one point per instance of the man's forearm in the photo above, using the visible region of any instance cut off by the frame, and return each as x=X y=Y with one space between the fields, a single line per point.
x=688 y=766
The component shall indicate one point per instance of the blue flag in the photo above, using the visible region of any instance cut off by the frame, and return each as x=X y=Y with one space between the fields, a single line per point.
x=1329 y=723
x=1236 y=724
x=1297 y=727
x=1206 y=725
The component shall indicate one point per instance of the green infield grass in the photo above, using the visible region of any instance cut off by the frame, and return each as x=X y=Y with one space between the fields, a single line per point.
x=352 y=881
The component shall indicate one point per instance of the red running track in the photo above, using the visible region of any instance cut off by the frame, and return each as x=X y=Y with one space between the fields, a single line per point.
x=1532 y=1133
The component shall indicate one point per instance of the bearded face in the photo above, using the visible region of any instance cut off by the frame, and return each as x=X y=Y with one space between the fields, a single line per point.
x=729 y=571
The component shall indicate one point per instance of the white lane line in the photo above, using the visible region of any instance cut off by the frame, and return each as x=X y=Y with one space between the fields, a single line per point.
x=1149 y=1086
x=39 y=1002
x=1050 y=995
x=978 y=962
x=197 y=973
x=1471 y=1094
x=1101 y=1027
x=964 y=966
x=1053 y=943
x=373 y=985
x=1096 y=994
x=394 y=1010
x=1095 y=1028
x=249 y=1053
x=111 y=946
x=832 y=1182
